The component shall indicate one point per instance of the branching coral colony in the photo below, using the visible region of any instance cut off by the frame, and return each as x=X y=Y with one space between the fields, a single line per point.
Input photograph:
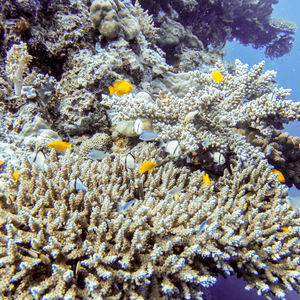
x=59 y=241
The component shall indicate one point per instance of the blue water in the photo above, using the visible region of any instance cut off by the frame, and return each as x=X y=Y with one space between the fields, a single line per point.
x=287 y=67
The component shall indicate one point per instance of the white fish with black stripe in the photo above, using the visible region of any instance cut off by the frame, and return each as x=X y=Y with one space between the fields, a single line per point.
x=38 y=158
x=218 y=158
x=172 y=147
x=128 y=161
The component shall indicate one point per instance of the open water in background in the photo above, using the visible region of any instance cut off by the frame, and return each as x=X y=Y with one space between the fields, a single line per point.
x=288 y=76
x=287 y=66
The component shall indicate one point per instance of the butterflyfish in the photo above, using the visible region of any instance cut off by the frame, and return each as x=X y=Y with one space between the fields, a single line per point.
x=148 y=136
x=202 y=227
x=16 y=175
x=217 y=76
x=285 y=229
x=59 y=145
x=2 y=162
x=120 y=88
x=280 y=176
x=147 y=166
x=206 y=179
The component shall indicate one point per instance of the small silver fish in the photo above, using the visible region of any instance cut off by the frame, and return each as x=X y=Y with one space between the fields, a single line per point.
x=175 y=191
x=35 y=254
x=79 y=186
x=77 y=270
x=202 y=227
x=190 y=116
x=97 y=154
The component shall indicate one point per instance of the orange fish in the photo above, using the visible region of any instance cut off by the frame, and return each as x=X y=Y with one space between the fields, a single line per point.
x=59 y=145
x=147 y=166
x=217 y=76
x=285 y=229
x=120 y=88
x=280 y=176
x=16 y=175
x=206 y=179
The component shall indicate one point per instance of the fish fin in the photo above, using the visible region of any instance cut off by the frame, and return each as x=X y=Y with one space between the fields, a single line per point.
x=111 y=90
x=69 y=146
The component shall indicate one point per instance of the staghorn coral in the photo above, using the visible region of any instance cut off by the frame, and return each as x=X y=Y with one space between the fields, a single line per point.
x=152 y=249
x=246 y=99
x=281 y=150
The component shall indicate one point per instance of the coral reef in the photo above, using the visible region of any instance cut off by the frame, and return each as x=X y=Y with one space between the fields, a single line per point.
x=212 y=23
x=246 y=99
x=56 y=242
x=113 y=19
x=87 y=223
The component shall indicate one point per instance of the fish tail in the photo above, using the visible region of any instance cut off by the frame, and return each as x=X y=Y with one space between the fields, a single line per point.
x=111 y=90
x=69 y=146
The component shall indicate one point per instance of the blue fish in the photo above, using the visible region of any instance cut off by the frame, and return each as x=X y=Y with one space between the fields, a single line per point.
x=202 y=227
x=79 y=186
x=148 y=136
x=127 y=205
x=206 y=143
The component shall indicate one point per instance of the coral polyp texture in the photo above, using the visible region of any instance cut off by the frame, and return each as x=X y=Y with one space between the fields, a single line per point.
x=126 y=235
x=58 y=242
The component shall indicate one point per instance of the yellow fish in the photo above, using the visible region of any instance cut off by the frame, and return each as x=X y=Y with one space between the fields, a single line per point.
x=16 y=175
x=217 y=76
x=120 y=88
x=147 y=166
x=285 y=229
x=206 y=179
x=2 y=162
x=176 y=197
x=58 y=145
x=280 y=177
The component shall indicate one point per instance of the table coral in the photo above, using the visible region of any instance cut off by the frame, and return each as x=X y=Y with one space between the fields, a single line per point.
x=153 y=248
